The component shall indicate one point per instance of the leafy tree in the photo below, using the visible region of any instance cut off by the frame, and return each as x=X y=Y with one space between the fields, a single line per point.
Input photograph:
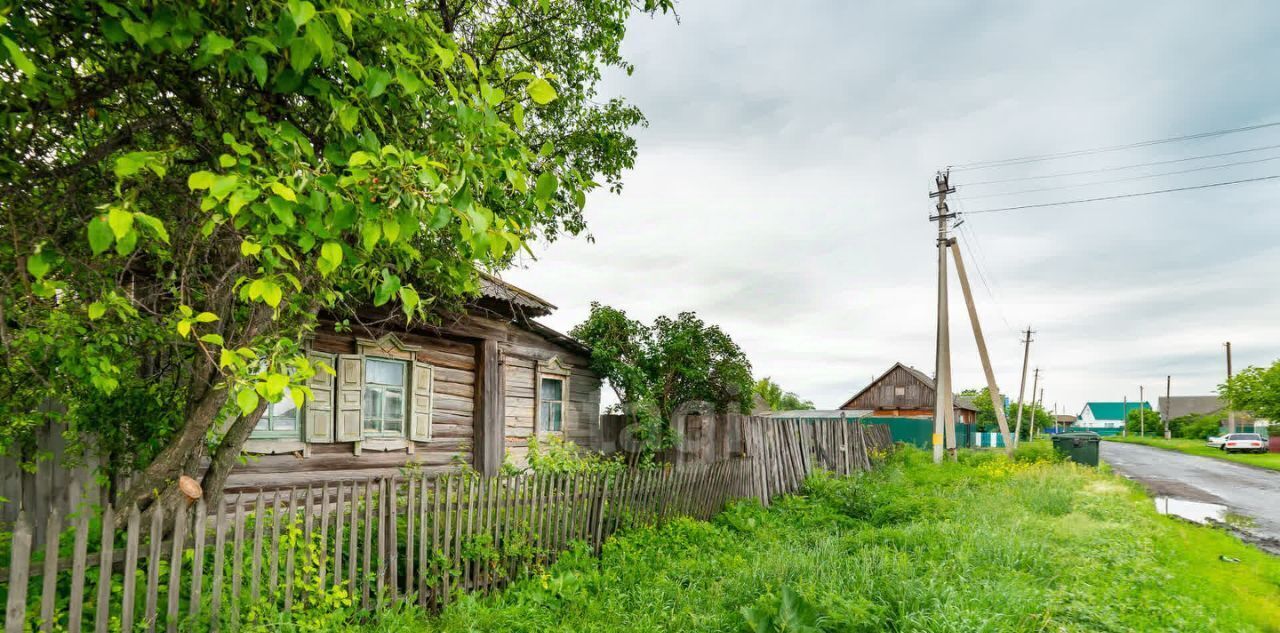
x=185 y=186
x=655 y=370
x=1256 y=390
x=777 y=399
x=1138 y=419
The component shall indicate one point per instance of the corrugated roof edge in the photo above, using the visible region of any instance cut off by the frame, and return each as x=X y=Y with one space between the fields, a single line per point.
x=494 y=288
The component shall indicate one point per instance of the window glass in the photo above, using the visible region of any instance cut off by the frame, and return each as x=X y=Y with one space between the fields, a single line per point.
x=551 y=409
x=384 y=398
x=384 y=372
x=552 y=388
x=279 y=418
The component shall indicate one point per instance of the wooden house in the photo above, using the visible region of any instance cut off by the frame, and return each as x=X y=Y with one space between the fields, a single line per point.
x=469 y=392
x=906 y=392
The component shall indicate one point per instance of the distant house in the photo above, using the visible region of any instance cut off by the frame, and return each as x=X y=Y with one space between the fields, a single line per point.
x=1179 y=406
x=1108 y=415
x=1064 y=420
x=906 y=392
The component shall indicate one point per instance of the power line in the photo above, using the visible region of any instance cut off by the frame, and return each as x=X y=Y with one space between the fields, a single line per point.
x=971 y=245
x=1126 y=195
x=1129 y=179
x=1120 y=167
x=1112 y=148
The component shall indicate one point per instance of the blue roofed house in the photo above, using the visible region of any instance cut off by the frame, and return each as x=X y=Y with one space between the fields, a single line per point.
x=1107 y=418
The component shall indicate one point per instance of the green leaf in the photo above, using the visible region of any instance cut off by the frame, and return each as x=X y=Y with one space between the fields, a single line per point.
x=100 y=235
x=361 y=158
x=330 y=257
x=249 y=249
x=302 y=12
x=344 y=20
x=247 y=400
x=153 y=224
x=408 y=80
x=226 y=358
x=226 y=161
x=258 y=65
x=206 y=317
x=38 y=264
x=125 y=244
x=370 y=233
x=275 y=384
x=271 y=293
x=409 y=297
x=121 y=221
x=200 y=180
x=18 y=58
x=96 y=310
x=388 y=288
x=546 y=186
x=377 y=81
x=391 y=229
x=214 y=339
x=540 y=91
x=283 y=190
x=184 y=328
x=215 y=44
x=301 y=53
x=222 y=185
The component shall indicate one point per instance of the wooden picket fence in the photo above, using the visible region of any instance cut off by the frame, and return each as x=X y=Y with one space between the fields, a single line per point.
x=260 y=556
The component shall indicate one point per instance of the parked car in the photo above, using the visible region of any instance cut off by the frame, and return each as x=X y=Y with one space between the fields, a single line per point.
x=1215 y=441
x=1244 y=443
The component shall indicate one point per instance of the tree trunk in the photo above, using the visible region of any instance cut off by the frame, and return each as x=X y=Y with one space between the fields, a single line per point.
x=227 y=453
x=163 y=472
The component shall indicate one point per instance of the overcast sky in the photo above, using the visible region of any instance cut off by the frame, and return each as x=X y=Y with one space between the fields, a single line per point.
x=781 y=185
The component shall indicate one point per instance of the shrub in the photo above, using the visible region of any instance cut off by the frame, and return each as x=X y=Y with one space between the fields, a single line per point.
x=560 y=456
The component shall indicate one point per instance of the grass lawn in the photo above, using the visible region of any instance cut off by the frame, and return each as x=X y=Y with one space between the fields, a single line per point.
x=1197 y=447
x=987 y=544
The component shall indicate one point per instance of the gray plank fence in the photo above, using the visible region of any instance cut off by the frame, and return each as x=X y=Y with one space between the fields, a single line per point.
x=271 y=552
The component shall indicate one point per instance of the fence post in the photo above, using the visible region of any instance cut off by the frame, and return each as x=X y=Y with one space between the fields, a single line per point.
x=19 y=568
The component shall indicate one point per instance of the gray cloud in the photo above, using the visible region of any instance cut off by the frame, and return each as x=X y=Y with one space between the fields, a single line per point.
x=780 y=189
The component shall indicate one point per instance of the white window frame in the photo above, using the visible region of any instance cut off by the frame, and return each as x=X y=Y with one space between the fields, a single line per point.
x=406 y=392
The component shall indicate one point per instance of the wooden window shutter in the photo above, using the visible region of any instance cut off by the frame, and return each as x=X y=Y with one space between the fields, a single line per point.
x=421 y=402
x=350 y=396
x=318 y=412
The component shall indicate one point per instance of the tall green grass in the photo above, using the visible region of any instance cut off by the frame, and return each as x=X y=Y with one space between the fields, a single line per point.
x=985 y=544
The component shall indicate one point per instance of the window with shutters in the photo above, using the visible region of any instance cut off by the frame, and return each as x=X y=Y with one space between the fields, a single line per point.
x=384 y=396
x=385 y=403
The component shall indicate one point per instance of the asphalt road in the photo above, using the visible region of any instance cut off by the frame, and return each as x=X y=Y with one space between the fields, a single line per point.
x=1252 y=492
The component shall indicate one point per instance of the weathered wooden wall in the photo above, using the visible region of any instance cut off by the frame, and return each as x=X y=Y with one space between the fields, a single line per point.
x=60 y=481
x=883 y=394
x=521 y=354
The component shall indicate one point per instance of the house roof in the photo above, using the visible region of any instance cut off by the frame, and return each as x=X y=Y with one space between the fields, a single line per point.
x=1178 y=406
x=521 y=300
x=1112 y=410
x=961 y=402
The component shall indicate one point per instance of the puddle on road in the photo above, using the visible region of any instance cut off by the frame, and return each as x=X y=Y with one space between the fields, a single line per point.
x=1191 y=510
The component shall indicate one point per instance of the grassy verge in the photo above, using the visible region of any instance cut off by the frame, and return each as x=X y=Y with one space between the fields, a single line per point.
x=1197 y=447
x=987 y=544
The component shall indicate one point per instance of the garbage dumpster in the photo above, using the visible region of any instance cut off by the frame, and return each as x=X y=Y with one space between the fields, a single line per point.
x=1080 y=447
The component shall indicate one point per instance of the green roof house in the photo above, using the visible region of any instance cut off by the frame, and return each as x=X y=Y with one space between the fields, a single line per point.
x=1108 y=415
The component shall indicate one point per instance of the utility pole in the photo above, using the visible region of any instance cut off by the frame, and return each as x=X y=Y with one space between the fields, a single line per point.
x=1142 y=408
x=1034 y=382
x=943 y=409
x=997 y=403
x=1026 y=353
x=1168 y=403
x=1041 y=408
x=1231 y=411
